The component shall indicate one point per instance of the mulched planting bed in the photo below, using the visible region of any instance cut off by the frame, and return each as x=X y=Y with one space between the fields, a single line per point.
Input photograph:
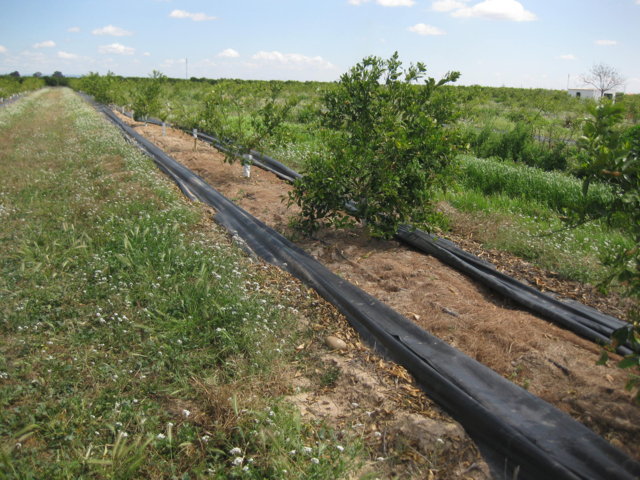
x=552 y=363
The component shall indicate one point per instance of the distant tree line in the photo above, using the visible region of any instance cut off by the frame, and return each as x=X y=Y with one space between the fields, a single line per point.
x=56 y=79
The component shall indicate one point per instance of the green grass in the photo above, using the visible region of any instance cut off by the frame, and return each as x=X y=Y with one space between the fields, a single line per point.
x=521 y=210
x=136 y=342
x=556 y=190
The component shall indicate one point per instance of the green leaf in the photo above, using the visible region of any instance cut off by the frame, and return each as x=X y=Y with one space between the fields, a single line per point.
x=604 y=358
x=629 y=361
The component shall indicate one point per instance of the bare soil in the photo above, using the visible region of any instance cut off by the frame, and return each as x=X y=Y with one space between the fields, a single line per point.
x=360 y=394
x=550 y=362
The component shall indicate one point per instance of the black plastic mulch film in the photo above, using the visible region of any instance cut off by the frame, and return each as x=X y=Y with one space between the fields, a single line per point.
x=520 y=435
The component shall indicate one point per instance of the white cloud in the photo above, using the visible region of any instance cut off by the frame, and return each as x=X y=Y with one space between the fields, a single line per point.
x=229 y=53
x=172 y=62
x=116 y=48
x=146 y=54
x=424 y=29
x=447 y=5
x=292 y=60
x=73 y=29
x=67 y=55
x=606 y=43
x=33 y=55
x=196 y=17
x=396 y=3
x=386 y=3
x=3 y=49
x=567 y=56
x=510 y=10
x=112 y=30
x=45 y=44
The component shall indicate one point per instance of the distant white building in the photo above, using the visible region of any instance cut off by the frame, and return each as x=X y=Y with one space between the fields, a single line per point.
x=589 y=93
x=583 y=93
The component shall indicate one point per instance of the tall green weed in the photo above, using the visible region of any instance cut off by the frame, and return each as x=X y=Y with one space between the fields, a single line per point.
x=559 y=191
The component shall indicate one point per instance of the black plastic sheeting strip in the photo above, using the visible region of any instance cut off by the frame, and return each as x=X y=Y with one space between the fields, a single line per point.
x=520 y=435
x=259 y=159
x=585 y=321
x=275 y=166
x=574 y=316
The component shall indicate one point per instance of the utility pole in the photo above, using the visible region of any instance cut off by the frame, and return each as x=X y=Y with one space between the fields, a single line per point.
x=186 y=69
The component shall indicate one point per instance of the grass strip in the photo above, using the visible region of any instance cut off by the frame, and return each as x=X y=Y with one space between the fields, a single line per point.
x=522 y=210
x=558 y=191
x=136 y=341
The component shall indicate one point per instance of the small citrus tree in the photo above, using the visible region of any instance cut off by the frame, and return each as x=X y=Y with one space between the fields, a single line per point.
x=102 y=88
x=610 y=155
x=228 y=117
x=147 y=96
x=388 y=147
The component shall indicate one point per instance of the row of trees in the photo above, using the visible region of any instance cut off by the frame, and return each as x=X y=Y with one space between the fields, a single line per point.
x=389 y=143
x=16 y=74
x=15 y=83
x=386 y=138
x=10 y=85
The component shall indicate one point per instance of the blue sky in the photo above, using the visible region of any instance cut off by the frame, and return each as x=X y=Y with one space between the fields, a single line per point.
x=513 y=43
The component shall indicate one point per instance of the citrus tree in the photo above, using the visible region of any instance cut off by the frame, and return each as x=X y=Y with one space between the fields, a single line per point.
x=386 y=129
x=105 y=89
x=147 y=96
x=241 y=127
x=609 y=154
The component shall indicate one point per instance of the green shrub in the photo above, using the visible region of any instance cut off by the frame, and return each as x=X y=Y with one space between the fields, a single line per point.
x=388 y=148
